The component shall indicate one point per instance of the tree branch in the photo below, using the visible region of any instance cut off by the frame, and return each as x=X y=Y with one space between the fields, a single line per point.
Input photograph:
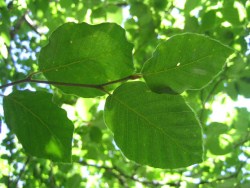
x=31 y=24
x=233 y=175
x=120 y=175
x=21 y=172
x=201 y=117
x=98 y=86
x=17 y=26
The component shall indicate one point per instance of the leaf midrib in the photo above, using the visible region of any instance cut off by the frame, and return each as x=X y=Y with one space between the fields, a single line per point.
x=38 y=118
x=177 y=67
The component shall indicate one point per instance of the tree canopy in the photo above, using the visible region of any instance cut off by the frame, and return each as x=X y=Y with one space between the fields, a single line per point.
x=136 y=93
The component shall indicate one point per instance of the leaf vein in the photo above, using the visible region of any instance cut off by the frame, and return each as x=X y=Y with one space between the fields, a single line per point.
x=149 y=122
x=178 y=67
x=38 y=118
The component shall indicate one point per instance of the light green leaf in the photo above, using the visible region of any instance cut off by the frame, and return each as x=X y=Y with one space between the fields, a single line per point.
x=159 y=130
x=215 y=142
x=216 y=128
x=40 y=126
x=186 y=61
x=86 y=54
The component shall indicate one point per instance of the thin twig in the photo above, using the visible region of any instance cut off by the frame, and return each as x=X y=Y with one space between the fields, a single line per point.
x=98 y=86
x=209 y=97
x=15 y=83
x=17 y=26
x=131 y=77
x=30 y=23
x=233 y=175
x=21 y=172
x=118 y=173
x=51 y=176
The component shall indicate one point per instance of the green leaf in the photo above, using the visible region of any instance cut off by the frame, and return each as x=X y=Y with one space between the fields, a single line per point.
x=243 y=87
x=159 y=130
x=208 y=20
x=242 y=121
x=186 y=61
x=74 y=181
x=230 y=13
x=191 y=4
x=215 y=143
x=40 y=126
x=216 y=128
x=191 y=24
x=86 y=54
x=95 y=134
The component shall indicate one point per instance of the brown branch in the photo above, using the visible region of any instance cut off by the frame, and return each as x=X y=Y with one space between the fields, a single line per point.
x=121 y=4
x=30 y=23
x=17 y=26
x=131 y=77
x=14 y=83
x=120 y=175
x=98 y=86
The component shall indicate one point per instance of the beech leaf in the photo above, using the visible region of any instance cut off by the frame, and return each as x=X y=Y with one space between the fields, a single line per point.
x=159 y=130
x=185 y=61
x=41 y=127
x=86 y=54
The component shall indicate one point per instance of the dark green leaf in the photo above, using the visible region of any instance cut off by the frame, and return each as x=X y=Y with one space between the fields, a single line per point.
x=86 y=54
x=95 y=134
x=186 y=61
x=248 y=10
x=159 y=4
x=74 y=181
x=243 y=88
x=208 y=20
x=191 y=24
x=230 y=13
x=41 y=127
x=159 y=130
x=191 y=4
x=214 y=142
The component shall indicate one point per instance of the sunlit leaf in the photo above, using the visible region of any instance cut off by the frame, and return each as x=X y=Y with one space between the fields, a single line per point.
x=40 y=126
x=86 y=54
x=159 y=130
x=186 y=61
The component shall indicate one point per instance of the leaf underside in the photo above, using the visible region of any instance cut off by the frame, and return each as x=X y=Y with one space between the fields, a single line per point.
x=86 y=54
x=41 y=127
x=159 y=130
x=185 y=61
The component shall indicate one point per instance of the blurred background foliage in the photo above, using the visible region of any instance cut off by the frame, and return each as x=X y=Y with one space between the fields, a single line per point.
x=222 y=107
